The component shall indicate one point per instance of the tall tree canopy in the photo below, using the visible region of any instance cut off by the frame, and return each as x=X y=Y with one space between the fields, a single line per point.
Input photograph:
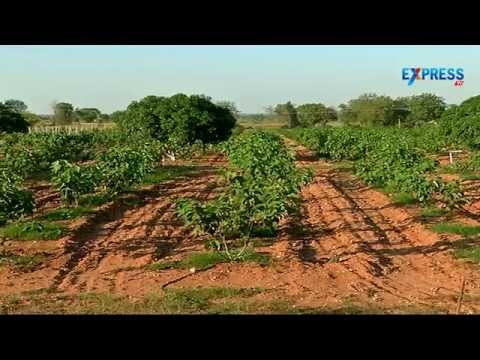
x=11 y=121
x=287 y=113
x=64 y=113
x=88 y=115
x=181 y=118
x=463 y=122
x=423 y=108
x=372 y=110
x=230 y=105
x=16 y=105
x=315 y=114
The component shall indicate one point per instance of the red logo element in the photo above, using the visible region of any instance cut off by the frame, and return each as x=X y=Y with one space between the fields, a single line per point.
x=458 y=83
x=417 y=71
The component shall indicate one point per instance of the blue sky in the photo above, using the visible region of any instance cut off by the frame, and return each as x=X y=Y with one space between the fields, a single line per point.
x=110 y=77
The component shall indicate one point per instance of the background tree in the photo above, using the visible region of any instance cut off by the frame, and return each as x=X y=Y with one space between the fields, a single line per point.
x=12 y=121
x=287 y=113
x=371 y=110
x=255 y=118
x=229 y=105
x=292 y=115
x=270 y=110
x=315 y=114
x=470 y=106
x=116 y=116
x=179 y=118
x=16 y=105
x=63 y=113
x=104 y=118
x=423 y=108
x=88 y=115
x=33 y=119
x=462 y=122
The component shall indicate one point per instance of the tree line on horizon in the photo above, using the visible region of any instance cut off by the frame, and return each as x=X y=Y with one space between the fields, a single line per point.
x=366 y=110
x=14 y=116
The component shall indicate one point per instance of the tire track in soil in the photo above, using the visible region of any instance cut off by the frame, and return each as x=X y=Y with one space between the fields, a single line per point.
x=387 y=254
x=123 y=238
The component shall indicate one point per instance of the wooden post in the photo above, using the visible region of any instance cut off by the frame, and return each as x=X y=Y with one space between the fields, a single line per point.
x=451 y=152
x=460 y=298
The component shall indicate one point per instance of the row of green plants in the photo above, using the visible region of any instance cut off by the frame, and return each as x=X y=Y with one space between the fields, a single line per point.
x=393 y=159
x=109 y=161
x=111 y=173
x=23 y=156
x=97 y=161
x=28 y=154
x=261 y=186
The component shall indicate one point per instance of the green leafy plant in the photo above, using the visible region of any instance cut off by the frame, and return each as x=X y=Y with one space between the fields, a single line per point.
x=72 y=180
x=262 y=186
x=14 y=201
x=122 y=167
x=396 y=159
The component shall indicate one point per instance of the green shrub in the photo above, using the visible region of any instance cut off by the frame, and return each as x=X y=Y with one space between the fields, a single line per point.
x=263 y=185
x=73 y=180
x=14 y=202
x=12 y=121
x=179 y=119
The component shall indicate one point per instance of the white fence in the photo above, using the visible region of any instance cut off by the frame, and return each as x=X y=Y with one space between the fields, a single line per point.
x=75 y=128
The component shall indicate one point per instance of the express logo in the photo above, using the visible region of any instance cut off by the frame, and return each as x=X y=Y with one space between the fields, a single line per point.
x=412 y=74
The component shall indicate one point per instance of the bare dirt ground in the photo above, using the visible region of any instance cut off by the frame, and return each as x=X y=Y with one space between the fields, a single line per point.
x=351 y=244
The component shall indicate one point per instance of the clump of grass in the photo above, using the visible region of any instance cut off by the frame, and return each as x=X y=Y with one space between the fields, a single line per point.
x=89 y=303
x=198 y=261
x=178 y=301
x=449 y=169
x=252 y=256
x=403 y=199
x=431 y=212
x=459 y=229
x=464 y=169
x=22 y=262
x=204 y=260
x=175 y=301
x=200 y=299
x=471 y=254
x=66 y=213
x=165 y=173
x=344 y=166
x=33 y=230
x=94 y=200
x=470 y=176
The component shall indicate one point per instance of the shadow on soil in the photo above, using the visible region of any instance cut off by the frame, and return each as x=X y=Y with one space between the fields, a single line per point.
x=81 y=241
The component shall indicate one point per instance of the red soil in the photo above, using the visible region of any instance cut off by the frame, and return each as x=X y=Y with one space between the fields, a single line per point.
x=351 y=243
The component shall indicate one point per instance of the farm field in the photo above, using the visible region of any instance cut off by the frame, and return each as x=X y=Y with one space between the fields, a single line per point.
x=181 y=208
x=352 y=248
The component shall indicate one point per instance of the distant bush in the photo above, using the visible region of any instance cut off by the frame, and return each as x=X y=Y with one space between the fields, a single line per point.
x=11 y=121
